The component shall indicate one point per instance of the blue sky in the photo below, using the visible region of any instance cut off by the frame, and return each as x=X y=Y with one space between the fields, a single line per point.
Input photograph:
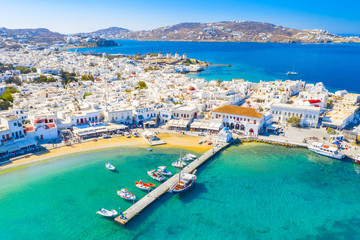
x=68 y=16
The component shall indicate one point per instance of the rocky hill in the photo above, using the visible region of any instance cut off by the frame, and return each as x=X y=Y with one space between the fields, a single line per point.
x=112 y=31
x=36 y=35
x=235 y=31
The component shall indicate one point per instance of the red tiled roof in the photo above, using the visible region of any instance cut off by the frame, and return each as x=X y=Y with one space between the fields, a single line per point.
x=50 y=125
x=312 y=101
x=241 y=111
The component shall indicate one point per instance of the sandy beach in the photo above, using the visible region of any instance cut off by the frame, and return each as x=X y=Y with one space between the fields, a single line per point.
x=172 y=139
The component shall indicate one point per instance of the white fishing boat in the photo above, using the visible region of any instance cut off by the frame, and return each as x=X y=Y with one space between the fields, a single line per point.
x=190 y=156
x=185 y=181
x=107 y=213
x=156 y=175
x=127 y=135
x=163 y=171
x=125 y=194
x=357 y=159
x=325 y=150
x=109 y=166
x=200 y=142
x=105 y=136
x=178 y=164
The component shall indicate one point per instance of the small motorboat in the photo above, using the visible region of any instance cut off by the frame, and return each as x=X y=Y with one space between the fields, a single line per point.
x=149 y=149
x=178 y=164
x=142 y=185
x=204 y=140
x=125 y=194
x=107 y=213
x=156 y=175
x=135 y=134
x=109 y=166
x=106 y=136
x=127 y=135
x=163 y=171
x=200 y=142
x=191 y=156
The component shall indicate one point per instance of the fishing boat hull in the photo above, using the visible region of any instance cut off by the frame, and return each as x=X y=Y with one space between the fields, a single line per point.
x=173 y=190
x=157 y=178
x=126 y=195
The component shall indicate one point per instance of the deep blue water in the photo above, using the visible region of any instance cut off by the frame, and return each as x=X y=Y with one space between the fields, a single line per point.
x=336 y=65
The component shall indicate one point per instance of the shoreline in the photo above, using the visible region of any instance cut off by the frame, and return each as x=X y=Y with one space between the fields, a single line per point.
x=173 y=141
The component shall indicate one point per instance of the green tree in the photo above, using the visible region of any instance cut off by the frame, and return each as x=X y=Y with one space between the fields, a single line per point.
x=142 y=85
x=15 y=80
x=23 y=70
x=218 y=82
x=33 y=69
x=294 y=121
x=87 y=94
x=330 y=131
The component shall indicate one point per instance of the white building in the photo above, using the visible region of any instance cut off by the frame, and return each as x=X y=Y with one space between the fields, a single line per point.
x=242 y=118
x=119 y=115
x=309 y=115
x=225 y=135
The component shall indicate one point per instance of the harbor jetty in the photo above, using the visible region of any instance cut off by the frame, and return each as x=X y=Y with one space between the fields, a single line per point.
x=136 y=208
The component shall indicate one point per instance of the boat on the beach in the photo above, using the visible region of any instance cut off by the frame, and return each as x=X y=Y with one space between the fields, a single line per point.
x=109 y=166
x=200 y=142
x=186 y=180
x=156 y=175
x=107 y=213
x=144 y=186
x=163 y=171
x=105 y=136
x=178 y=164
x=127 y=135
x=325 y=150
x=125 y=194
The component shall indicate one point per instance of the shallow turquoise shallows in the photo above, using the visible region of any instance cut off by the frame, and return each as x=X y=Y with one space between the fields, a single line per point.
x=252 y=191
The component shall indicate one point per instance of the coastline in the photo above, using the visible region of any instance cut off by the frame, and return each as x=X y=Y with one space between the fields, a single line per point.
x=173 y=141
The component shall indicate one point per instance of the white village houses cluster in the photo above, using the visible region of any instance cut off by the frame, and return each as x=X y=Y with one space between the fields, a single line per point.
x=122 y=92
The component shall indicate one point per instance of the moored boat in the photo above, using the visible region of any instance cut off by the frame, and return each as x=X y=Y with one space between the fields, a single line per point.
x=178 y=164
x=142 y=185
x=163 y=171
x=149 y=149
x=127 y=135
x=107 y=213
x=357 y=158
x=325 y=150
x=191 y=156
x=109 y=166
x=156 y=175
x=125 y=194
x=186 y=180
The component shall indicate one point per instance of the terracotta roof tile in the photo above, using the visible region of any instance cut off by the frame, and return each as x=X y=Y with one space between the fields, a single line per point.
x=241 y=111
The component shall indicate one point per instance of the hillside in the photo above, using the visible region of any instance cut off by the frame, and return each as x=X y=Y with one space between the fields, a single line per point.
x=235 y=31
x=28 y=35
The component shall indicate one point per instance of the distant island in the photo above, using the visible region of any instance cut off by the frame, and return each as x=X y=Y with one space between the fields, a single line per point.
x=228 y=31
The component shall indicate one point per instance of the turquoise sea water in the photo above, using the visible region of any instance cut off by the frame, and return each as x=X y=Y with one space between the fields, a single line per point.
x=336 y=65
x=252 y=191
